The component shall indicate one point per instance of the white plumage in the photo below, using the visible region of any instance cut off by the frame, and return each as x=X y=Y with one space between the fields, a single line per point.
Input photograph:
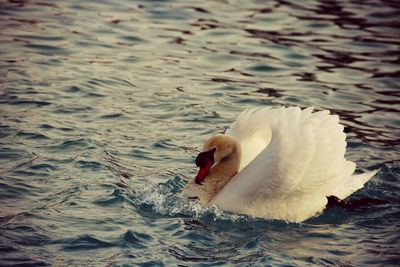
x=291 y=160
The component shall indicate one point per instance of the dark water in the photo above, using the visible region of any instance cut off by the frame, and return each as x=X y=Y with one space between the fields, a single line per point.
x=104 y=105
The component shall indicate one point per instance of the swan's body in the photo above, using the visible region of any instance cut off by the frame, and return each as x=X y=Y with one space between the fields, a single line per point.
x=277 y=164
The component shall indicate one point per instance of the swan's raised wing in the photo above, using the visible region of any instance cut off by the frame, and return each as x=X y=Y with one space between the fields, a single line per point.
x=301 y=164
x=252 y=132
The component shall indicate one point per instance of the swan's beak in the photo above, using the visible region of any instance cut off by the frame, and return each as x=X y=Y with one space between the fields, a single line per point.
x=203 y=171
x=204 y=160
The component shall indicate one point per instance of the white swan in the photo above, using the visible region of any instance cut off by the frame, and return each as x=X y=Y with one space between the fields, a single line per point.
x=279 y=163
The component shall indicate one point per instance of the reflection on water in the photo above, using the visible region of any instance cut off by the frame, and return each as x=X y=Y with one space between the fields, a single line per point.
x=105 y=105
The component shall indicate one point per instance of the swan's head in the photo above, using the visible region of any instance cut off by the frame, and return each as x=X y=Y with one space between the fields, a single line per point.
x=215 y=149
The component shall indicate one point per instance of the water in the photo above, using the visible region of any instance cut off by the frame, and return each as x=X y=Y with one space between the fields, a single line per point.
x=104 y=106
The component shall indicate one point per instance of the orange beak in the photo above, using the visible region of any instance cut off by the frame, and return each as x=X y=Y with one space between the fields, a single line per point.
x=204 y=160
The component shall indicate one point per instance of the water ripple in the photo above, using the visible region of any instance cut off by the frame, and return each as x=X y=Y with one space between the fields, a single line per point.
x=103 y=108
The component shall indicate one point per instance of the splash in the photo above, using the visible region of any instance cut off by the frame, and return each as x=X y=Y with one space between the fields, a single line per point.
x=166 y=199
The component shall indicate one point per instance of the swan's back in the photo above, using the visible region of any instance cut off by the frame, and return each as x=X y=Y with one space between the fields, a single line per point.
x=300 y=163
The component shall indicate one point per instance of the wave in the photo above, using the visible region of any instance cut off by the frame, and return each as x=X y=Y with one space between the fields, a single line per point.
x=166 y=199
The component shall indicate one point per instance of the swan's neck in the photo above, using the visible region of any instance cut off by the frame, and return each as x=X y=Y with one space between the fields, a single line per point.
x=220 y=174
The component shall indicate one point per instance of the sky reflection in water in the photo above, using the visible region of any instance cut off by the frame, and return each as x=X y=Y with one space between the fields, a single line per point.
x=104 y=106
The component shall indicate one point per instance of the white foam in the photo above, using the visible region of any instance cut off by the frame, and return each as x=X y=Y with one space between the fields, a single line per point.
x=164 y=200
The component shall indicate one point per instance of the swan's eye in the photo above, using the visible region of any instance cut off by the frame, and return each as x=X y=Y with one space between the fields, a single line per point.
x=204 y=157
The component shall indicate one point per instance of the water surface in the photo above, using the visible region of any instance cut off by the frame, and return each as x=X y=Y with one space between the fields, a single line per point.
x=105 y=104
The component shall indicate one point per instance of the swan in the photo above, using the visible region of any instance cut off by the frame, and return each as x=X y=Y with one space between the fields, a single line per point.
x=276 y=163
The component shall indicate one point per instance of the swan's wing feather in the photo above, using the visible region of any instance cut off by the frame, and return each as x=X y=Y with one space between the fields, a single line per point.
x=251 y=132
x=301 y=165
